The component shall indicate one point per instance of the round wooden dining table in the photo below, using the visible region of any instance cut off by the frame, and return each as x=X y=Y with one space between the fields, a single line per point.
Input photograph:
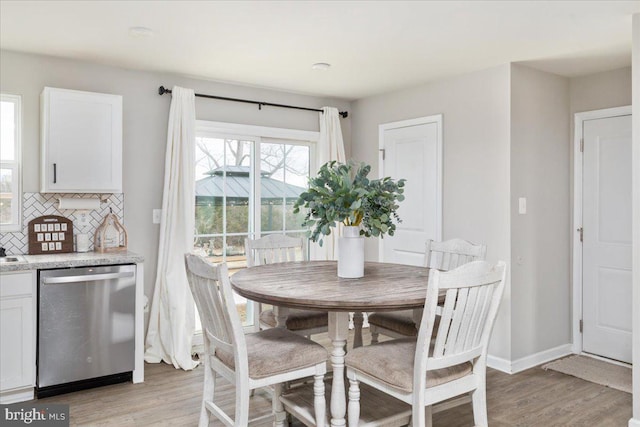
x=315 y=285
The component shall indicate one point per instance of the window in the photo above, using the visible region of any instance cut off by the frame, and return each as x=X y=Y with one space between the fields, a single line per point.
x=247 y=180
x=10 y=112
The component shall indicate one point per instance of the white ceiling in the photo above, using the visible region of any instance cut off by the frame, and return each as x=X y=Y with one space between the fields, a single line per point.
x=373 y=46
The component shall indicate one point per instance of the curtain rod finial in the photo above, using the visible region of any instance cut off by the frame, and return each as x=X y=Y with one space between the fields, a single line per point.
x=344 y=114
x=162 y=90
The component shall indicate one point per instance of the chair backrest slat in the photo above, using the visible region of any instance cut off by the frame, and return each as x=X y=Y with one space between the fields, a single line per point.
x=475 y=316
x=473 y=293
x=273 y=248
x=445 y=322
x=461 y=342
x=482 y=315
x=452 y=253
x=456 y=322
x=213 y=296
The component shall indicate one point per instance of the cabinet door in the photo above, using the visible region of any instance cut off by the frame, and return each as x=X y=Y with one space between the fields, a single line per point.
x=16 y=343
x=17 y=330
x=81 y=142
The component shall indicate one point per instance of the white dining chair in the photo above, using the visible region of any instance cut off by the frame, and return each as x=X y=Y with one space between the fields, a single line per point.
x=265 y=358
x=279 y=248
x=442 y=256
x=441 y=362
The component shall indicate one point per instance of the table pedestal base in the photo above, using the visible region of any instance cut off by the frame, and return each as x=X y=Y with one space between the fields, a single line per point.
x=338 y=331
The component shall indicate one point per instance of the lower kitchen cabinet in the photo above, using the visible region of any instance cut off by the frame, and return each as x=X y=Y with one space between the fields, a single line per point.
x=17 y=336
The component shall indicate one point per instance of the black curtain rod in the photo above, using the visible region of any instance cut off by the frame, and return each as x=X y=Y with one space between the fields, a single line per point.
x=162 y=90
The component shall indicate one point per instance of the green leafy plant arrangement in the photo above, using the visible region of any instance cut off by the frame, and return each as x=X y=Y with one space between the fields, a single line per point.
x=339 y=193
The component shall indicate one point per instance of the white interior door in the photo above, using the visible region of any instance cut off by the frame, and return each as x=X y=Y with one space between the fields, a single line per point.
x=606 y=211
x=412 y=150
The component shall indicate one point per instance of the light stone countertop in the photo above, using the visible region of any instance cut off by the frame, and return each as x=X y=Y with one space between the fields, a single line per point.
x=74 y=259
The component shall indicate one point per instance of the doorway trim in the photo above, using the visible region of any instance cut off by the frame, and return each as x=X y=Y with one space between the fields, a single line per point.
x=579 y=119
x=437 y=119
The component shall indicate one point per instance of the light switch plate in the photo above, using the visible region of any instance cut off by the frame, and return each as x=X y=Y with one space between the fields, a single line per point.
x=157 y=216
x=522 y=205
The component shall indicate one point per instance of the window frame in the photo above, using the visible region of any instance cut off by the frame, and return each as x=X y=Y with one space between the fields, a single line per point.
x=15 y=166
x=257 y=135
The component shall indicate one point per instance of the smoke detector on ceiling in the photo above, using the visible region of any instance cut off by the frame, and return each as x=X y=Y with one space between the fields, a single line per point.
x=140 y=32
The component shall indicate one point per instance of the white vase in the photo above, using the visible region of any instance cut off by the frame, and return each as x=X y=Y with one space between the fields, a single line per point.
x=351 y=253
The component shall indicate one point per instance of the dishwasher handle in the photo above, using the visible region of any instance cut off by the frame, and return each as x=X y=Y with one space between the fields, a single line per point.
x=86 y=278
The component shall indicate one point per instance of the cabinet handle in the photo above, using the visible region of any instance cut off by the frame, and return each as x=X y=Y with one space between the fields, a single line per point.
x=55 y=173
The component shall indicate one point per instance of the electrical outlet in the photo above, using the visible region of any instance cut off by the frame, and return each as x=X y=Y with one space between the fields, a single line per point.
x=82 y=219
x=157 y=216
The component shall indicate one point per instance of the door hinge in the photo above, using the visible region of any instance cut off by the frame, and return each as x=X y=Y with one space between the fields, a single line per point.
x=582 y=145
x=383 y=151
x=581 y=231
x=580 y=325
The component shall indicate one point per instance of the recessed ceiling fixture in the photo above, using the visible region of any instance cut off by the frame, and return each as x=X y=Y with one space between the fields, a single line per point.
x=140 y=32
x=320 y=66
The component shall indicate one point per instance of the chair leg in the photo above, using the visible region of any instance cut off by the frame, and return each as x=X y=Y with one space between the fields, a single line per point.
x=319 y=402
x=242 y=405
x=207 y=394
x=279 y=415
x=358 y=319
x=479 y=401
x=427 y=421
x=374 y=335
x=419 y=415
x=428 y=416
x=353 y=410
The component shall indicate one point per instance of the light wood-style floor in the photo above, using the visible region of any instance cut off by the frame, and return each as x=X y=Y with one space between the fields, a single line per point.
x=171 y=397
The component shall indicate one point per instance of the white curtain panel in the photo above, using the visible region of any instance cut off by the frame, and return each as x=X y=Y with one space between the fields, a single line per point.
x=330 y=147
x=171 y=323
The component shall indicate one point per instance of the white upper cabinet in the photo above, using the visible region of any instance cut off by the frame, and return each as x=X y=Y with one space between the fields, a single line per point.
x=81 y=142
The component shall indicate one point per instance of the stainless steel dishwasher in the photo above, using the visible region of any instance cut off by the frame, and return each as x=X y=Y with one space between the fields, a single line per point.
x=85 y=327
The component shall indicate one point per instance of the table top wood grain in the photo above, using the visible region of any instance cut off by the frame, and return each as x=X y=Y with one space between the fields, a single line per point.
x=316 y=285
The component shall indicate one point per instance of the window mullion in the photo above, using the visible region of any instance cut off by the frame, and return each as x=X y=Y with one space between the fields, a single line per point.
x=255 y=197
x=284 y=186
x=224 y=201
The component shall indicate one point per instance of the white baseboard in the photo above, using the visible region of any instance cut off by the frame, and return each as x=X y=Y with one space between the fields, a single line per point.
x=512 y=367
x=634 y=422
x=499 y=363
x=16 y=396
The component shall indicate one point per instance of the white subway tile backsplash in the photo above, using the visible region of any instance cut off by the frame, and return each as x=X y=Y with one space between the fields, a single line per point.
x=38 y=204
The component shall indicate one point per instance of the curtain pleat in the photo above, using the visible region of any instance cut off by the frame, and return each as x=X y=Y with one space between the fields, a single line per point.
x=171 y=321
x=330 y=147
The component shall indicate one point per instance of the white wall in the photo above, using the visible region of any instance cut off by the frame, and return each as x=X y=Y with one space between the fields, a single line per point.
x=145 y=126
x=606 y=90
x=596 y=92
x=475 y=110
x=635 y=421
x=540 y=239
x=601 y=90
x=507 y=134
